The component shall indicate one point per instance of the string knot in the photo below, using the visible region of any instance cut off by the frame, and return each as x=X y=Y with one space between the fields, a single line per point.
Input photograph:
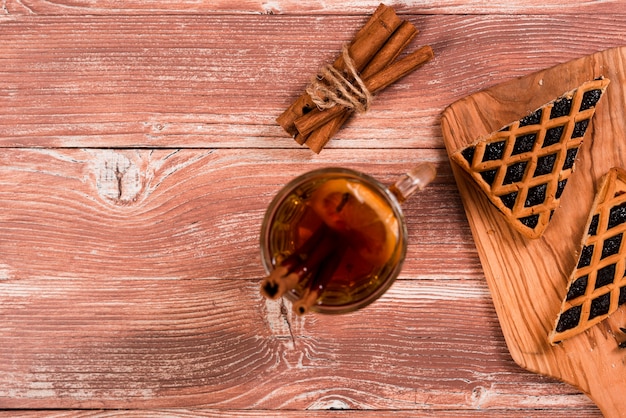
x=331 y=87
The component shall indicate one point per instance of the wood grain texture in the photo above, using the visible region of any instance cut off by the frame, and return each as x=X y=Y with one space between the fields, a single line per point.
x=142 y=296
x=115 y=343
x=244 y=413
x=84 y=7
x=220 y=81
x=188 y=213
x=139 y=152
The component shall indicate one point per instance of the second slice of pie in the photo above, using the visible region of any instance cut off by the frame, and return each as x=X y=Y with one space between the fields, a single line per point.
x=597 y=286
x=523 y=168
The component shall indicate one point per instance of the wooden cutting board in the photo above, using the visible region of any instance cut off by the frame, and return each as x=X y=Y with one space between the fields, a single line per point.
x=528 y=278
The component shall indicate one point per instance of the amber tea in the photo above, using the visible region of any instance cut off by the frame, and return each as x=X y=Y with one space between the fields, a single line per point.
x=333 y=241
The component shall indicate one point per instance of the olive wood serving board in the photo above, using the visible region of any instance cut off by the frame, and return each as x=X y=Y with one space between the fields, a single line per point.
x=528 y=278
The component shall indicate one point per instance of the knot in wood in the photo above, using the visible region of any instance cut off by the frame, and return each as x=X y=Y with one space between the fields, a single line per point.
x=118 y=179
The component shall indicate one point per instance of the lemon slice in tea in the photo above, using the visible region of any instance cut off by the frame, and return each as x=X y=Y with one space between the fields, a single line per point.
x=361 y=215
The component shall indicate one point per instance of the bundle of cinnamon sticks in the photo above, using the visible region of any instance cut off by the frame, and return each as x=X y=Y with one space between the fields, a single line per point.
x=369 y=61
x=314 y=262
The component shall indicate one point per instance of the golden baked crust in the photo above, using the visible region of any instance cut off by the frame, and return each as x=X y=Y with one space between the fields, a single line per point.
x=597 y=286
x=523 y=168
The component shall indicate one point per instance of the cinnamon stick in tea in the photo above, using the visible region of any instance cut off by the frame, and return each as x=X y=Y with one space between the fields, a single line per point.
x=378 y=81
x=368 y=41
x=301 y=263
x=319 y=280
x=281 y=279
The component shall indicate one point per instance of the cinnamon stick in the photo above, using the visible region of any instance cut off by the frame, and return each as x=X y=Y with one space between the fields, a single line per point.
x=400 y=68
x=280 y=281
x=394 y=46
x=316 y=118
x=366 y=43
x=304 y=103
x=318 y=139
x=320 y=280
x=300 y=139
x=303 y=262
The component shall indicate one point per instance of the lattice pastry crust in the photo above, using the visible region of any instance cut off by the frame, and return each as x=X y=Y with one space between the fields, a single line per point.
x=597 y=286
x=523 y=168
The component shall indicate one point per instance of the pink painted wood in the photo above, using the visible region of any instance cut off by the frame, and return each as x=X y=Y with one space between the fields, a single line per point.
x=139 y=151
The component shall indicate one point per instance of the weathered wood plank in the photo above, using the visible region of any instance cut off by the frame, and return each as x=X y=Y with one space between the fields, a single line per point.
x=119 y=343
x=220 y=81
x=220 y=413
x=130 y=279
x=190 y=213
x=88 y=7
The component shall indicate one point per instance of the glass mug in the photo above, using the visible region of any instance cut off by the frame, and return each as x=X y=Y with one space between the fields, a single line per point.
x=333 y=240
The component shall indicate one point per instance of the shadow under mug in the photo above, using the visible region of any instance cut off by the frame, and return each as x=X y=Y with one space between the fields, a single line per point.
x=287 y=216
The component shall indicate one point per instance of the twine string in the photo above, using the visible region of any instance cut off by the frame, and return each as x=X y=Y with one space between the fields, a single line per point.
x=331 y=87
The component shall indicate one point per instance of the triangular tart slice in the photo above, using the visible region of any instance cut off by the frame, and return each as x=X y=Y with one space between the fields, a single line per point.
x=597 y=286
x=523 y=168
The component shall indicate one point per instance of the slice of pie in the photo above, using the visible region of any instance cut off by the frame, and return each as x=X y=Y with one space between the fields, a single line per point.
x=597 y=286
x=523 y=168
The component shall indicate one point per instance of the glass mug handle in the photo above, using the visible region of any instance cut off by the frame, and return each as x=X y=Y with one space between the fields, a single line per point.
x=414 y=181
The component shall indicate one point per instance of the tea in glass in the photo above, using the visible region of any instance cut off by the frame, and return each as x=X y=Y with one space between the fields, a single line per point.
x=333 y=240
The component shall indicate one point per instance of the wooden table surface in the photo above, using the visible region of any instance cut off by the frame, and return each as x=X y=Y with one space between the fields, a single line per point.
x=139 y=152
